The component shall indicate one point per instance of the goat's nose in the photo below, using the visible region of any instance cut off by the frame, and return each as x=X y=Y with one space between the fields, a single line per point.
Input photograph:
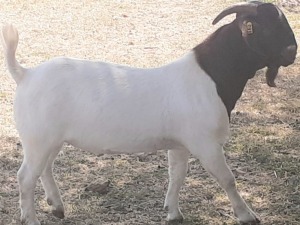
x=289 y=53
x=292 y=49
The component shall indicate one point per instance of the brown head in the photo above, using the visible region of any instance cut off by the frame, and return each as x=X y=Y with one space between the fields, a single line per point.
x=259 y=37
x=266 y=31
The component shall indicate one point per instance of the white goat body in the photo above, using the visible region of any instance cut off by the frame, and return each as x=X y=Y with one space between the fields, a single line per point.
x=107 y=108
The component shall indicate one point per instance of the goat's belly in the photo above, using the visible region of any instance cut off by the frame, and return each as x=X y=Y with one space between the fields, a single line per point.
x=119 y=145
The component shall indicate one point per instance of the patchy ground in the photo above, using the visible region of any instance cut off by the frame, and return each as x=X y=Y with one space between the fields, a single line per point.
x=263 y=152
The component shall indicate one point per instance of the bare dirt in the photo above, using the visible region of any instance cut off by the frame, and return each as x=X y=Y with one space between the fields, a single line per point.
x=263 y=151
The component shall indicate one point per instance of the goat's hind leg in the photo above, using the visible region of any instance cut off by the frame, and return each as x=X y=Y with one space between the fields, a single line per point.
x=178 y=165
x=36 y=154
x=212 y=158
x=51 y=190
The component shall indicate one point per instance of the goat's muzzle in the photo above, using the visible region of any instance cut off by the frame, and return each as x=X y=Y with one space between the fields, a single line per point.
x=288 y=55
x=287 y=58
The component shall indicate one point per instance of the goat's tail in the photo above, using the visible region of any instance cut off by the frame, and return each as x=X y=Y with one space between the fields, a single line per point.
x=10 y=39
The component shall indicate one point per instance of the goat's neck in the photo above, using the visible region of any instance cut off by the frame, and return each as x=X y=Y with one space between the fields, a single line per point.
x=227 y=59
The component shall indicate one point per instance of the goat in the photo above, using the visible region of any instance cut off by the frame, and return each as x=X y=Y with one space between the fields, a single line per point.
x=183 y=106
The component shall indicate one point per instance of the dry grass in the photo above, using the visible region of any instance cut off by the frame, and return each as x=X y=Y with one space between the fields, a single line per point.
x=263 y=151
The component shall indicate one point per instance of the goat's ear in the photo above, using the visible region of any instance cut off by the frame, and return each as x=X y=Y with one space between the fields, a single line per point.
x=251 y=30
x=247 y=27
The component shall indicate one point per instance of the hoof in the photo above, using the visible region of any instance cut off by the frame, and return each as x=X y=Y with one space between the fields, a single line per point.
x=26 y=222
x=256 y=222
x=58 y=213
x=175 y=221
x=174 y=216
x=49 y=201
x=178 y=220
x=247 y=217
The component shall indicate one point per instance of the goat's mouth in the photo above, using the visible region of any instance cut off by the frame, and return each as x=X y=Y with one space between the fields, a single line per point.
x=286 y=58
x=286 y=61
x=288 y=55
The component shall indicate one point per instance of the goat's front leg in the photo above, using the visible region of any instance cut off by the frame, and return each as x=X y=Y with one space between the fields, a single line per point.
x=212 y=158
x=178 y=165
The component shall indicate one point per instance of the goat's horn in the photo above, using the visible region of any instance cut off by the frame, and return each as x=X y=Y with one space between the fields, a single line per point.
x=249 y=8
